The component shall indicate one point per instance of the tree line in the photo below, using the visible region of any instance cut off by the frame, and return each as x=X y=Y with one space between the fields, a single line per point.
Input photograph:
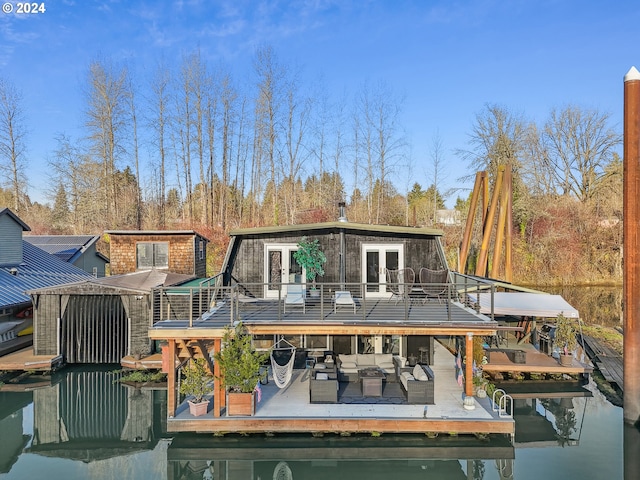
x=194 y=146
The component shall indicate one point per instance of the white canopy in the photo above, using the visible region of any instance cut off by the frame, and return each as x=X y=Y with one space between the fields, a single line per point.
x=525 y=304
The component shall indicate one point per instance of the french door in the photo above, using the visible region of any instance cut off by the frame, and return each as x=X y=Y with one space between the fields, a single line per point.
x=376 y=258
x=280 y=267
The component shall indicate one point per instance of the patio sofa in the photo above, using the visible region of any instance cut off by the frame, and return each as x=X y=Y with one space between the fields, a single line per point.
x=348 y=365
x=418 y=384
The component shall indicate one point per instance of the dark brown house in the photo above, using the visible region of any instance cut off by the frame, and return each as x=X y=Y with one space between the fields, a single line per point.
x=177 y=251
x=356 y=254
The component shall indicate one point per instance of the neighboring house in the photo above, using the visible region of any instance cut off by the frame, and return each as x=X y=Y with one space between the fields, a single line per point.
x=177 y=251
x=80 y=250
x=24 y=267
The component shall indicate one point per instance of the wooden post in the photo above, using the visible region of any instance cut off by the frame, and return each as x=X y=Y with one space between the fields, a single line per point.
x=216 y=381
x=483 y=256
x=171 y=380
x=468 y=368
x=508 y=179
x=631 y=246
x=468 y=229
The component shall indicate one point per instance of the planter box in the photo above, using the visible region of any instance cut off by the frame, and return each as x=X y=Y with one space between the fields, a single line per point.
x=519 y=356
x=240 y=404
x=198 y=409
x=565 y=360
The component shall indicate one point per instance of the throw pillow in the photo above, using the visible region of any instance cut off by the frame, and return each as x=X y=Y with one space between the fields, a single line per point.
x=420 y=374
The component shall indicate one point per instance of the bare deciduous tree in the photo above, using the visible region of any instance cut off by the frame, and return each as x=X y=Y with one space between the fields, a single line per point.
x=578 y=145
x=107 y=123
x=13 y=134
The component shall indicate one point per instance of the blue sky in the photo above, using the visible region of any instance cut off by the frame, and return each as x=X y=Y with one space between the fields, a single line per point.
x=447 y=59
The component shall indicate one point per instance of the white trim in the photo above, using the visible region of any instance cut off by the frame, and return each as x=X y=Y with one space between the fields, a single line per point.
x=286 y=249
x=382 y=249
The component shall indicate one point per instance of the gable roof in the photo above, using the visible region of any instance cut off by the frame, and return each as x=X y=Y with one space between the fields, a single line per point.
x=9 y=213
x=38 y=269
x=66 y=247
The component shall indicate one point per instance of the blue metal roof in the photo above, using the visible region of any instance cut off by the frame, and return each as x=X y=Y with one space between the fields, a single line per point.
x=38 y=269
x=65 y=247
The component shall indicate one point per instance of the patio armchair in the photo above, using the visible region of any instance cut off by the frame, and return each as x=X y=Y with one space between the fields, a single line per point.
x=434 y=283
x=323 y=387
x=400 y=282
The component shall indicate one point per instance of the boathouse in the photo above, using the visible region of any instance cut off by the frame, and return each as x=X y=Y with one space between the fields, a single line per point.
x=103 y=320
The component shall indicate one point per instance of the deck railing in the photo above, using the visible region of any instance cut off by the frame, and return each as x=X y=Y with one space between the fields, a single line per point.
x=195 y=304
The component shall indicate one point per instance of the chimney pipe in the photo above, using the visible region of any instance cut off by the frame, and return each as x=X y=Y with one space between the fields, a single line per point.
x=342 y=217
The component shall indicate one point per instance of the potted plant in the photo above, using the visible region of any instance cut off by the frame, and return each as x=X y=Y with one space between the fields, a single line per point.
x=240 y=369
x=565 y=339
x=196 y=383
x=311 y=258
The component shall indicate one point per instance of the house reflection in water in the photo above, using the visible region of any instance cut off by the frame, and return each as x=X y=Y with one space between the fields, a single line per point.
x=89 y=415
x=304 y=457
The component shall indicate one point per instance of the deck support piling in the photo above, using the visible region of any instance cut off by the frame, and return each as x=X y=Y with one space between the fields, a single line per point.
x=631 y=245
x=171 y=380
x=218 y=389
x=469 y=403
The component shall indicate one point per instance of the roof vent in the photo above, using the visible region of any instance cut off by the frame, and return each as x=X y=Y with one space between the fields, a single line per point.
x=342 y=217
x=13 y=271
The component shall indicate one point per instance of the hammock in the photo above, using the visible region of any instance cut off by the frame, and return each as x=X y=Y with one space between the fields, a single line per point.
x=282 y=472
x=282 y=373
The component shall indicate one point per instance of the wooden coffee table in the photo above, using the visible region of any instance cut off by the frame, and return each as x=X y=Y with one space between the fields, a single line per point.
x=371 y=381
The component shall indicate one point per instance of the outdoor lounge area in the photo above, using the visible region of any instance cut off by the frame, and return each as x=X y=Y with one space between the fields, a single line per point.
x=290 y=409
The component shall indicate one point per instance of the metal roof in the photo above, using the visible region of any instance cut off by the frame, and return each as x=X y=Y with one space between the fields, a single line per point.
x=142 y=281
x=394 y=229
x=65 y=247
x=38 y=269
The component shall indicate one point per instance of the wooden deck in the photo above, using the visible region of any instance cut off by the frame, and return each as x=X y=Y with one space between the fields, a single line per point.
x=26 y=360
x=289 y=410
x=501 y=362
x=606 y=360
x=378 y=316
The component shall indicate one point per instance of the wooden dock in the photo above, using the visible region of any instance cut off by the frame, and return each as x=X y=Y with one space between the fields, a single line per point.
x=25 y=360
x=606 y=360
x=501 y=362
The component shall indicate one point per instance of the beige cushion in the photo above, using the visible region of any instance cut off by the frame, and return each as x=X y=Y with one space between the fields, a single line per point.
x=420 y=374
x=366 y=360
x=320 y=366
x=383 y=358
x=348 y=365
x=349 y=358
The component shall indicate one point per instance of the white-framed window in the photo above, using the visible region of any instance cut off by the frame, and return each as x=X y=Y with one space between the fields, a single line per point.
x=201 y=250
x=152 y=255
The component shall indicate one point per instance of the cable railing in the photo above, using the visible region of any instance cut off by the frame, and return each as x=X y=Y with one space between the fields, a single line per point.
x=212 y=301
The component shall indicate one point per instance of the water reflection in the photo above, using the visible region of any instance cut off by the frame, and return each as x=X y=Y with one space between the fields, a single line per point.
x=84 y=424
x=597 y=305
x=303 y=457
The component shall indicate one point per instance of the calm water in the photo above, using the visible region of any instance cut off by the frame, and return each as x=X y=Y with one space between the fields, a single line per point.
x=82 y=423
